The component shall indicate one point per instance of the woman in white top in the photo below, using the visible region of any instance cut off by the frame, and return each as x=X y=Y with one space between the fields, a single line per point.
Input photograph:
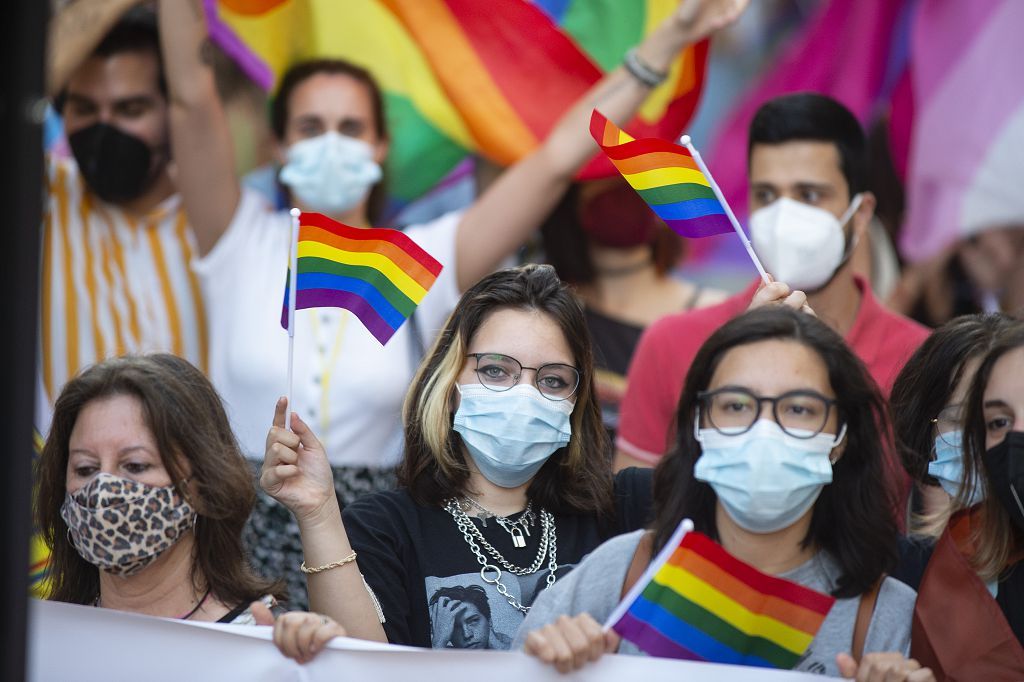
x=330 y=127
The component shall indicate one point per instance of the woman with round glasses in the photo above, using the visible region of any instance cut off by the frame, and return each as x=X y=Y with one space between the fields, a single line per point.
x=969 y=618
x=778 y=458
x=927 y=405
x=504 y=487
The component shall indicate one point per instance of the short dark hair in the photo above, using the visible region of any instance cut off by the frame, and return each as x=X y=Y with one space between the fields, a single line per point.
x=852 y=518
x=136 y=31
x=576 y=479
x=189 y=424
x=815 y=117
x=299 y=72
x=471 y=594
x=926 y=382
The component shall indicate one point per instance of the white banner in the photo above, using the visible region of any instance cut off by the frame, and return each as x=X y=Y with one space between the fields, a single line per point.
x=71 y=642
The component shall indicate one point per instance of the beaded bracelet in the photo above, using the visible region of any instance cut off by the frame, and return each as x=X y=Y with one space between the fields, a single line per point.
x=326 y=567
x=640 y=71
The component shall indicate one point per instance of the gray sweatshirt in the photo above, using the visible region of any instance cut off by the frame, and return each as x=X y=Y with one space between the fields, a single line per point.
x=595 y=585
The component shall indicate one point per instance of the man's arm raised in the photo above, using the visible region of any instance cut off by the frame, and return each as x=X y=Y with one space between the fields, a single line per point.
x=200 y=138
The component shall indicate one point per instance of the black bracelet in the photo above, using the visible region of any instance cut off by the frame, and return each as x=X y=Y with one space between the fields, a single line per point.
x=642 y=72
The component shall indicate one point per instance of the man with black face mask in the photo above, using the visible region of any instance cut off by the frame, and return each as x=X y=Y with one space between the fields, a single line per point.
x=809 y=208
x=116 y=244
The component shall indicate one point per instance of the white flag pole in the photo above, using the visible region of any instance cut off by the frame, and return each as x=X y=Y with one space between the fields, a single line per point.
x=292 y=275
x=684 y=527
x=685 y=141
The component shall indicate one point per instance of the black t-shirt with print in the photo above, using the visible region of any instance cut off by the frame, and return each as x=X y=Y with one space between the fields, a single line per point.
x=411 y=555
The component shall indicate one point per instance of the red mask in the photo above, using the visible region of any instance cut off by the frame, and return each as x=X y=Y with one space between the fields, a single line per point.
x=617 y=218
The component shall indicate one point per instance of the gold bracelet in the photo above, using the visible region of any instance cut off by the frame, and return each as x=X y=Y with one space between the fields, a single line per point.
x=326 y=567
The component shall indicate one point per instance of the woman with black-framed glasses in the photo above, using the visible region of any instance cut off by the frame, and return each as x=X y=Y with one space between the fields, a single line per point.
x=505 y=484
x=779 y=458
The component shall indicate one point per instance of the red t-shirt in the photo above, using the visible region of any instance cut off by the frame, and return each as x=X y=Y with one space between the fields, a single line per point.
x=882 y=339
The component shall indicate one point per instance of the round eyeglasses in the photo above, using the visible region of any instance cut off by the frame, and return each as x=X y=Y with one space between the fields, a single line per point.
x=734 y=411
x=948 y=424
x=499 y=372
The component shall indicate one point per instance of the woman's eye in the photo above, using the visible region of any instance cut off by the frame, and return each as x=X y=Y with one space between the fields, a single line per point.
x=553 y=382
x=84 y=471
x=799 y=410
x=494 y=372
x=735 y=407
x=137 y=467
x=998 y=424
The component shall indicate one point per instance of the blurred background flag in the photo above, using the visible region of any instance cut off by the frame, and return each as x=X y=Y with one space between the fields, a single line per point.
x=966 y=161
x=464 y=77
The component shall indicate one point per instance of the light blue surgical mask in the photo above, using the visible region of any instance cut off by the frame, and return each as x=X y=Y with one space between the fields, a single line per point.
x=948 y=466
x=510 y=434
x=766 y=479
x=330 y=173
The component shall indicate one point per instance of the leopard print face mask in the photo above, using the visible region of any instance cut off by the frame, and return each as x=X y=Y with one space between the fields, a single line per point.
x=120 y=525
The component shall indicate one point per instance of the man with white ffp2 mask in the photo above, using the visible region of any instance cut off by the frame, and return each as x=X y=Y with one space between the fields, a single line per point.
x=809 y=208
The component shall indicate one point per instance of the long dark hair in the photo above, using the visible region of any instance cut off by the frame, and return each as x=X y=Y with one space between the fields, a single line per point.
x=188 y=422
x=577 y=478
x=927 y=381
x=996 y=538
x=280 y=109
x=852 y=518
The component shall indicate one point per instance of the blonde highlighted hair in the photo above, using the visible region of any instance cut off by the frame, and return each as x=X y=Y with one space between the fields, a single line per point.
x=577 y=478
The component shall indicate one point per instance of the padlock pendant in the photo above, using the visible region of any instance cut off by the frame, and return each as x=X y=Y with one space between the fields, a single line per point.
x=517 y=537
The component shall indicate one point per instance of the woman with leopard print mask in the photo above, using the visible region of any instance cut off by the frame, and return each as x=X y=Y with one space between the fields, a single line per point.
x=143 y=494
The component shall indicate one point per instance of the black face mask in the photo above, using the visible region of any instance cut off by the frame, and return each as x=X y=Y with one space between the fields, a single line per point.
x=1005 y=466
x=115 y=165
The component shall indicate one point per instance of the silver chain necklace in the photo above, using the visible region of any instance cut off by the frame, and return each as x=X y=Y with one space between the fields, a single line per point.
x=489 y=572
x=518 y=529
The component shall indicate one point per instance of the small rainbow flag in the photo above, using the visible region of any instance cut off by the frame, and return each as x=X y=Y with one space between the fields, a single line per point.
x=698 y=602
x=378 y=274
x=666 y=176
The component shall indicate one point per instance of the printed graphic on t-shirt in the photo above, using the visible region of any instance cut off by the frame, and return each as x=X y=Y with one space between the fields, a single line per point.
x=468 y=613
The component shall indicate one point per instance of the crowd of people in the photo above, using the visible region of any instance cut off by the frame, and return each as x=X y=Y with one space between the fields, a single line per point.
x=493 y=476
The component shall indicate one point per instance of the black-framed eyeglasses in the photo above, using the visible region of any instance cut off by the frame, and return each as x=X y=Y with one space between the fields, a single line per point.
x=733 y=410
x=498 y=372
x=949 y=423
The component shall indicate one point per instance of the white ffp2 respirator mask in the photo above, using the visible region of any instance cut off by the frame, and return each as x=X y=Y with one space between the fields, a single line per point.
x=799 y=244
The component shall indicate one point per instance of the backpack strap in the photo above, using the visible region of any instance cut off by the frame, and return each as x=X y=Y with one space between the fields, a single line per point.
x=865 y=610
x=641 y=558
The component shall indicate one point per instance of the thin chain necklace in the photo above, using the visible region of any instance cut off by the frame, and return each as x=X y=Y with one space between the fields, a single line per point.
x=491 y=573
x=518 y=529
x=195 y=609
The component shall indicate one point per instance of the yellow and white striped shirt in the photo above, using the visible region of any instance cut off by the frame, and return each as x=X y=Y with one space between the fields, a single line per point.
x=112 y=283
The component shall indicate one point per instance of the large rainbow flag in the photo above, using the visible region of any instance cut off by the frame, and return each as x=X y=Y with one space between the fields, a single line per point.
x=666 y=176
x=378 y=274
x=460 y=76
x=696 y=601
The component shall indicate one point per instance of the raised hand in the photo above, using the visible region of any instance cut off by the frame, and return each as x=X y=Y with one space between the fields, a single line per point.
x=700 y=18
x=296 y=471
x=779 y=293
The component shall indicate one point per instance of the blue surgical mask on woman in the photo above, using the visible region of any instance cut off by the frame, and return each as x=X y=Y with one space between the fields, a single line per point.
x=330 y=173
x=765 y=478
x=510 y=434
x=948 y=466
